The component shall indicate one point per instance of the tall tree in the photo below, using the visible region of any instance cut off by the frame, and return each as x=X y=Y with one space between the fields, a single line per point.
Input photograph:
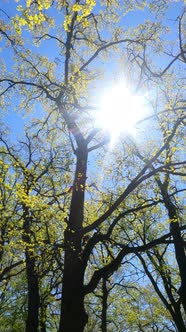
x=53 y=68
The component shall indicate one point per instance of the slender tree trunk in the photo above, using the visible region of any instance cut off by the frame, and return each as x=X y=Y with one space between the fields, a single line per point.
x=104 y=306
x=179 y=249
x=33 y=295
x=43 y=327
x=170 y=304
x=179 y=246
x=73 y=316
x=32 y=278
x=43 y=309
x=178 y=319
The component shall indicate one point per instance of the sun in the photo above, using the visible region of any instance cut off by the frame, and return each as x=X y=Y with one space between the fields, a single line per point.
x=120 y=111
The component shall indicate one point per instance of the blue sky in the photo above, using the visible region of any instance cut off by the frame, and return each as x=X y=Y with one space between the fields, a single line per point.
x=16 y=121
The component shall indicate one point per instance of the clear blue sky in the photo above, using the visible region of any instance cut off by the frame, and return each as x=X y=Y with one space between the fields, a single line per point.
x=16 y=121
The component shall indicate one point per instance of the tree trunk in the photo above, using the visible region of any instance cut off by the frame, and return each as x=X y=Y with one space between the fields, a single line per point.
x=178 y=319
x=32 y=278
x=179 y=249
x=178 y=242
x=104 y=306
x=73 y=316
x=43 y=308
x=33 y=295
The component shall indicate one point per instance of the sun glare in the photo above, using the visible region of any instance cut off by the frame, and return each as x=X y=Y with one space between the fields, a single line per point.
x=120 y=111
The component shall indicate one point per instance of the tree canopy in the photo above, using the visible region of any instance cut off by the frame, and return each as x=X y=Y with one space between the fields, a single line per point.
x=92 y=232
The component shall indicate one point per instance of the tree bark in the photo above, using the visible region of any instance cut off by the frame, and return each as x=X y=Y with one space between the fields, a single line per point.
x=179 y=246
x=178 y=319
x=73 y=315
x=33 y=295
x=43 y=308
x=32 y=320
x=170 y=304
x=104 y=306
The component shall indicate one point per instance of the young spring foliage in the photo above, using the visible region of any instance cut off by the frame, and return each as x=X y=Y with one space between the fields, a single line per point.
x=84 y=221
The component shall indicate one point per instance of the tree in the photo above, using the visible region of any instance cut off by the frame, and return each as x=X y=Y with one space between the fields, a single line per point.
x=57 y=89
x=36 y=200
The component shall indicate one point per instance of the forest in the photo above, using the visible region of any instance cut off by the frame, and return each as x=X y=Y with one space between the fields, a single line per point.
x=92 y=166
